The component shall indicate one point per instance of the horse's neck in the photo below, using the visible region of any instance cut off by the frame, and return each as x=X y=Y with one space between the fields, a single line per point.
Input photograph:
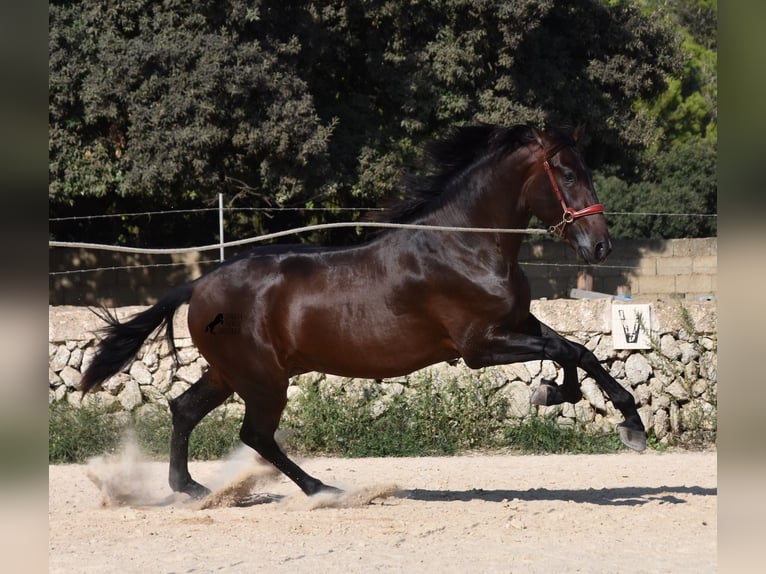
x=486 y=213
x=496 y=205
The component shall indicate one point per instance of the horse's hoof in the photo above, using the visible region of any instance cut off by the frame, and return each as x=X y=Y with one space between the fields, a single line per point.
x=325 y=489
x=545 y=394
x=196 y=490
x=632 y=438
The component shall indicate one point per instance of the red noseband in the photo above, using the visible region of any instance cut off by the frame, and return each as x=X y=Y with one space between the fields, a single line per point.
x=569 y=214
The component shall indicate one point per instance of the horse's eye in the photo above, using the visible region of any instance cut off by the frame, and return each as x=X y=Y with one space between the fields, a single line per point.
x=569 y=177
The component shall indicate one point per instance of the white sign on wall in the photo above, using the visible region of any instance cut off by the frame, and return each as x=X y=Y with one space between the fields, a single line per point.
x=631 y=326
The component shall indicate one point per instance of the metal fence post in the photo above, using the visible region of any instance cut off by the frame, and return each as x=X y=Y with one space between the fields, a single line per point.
x=220 y=223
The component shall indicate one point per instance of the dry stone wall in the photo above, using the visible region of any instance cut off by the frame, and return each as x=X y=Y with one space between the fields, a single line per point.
x=674 y=382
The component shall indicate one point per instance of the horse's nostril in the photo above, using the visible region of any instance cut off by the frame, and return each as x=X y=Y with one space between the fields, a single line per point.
x=602 y=250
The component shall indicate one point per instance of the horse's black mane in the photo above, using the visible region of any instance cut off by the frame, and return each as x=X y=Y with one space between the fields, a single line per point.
x=451 y=156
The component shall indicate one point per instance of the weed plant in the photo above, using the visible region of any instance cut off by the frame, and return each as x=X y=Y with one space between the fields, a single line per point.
x=74 y=435
x=430 y=417
x=77 y=434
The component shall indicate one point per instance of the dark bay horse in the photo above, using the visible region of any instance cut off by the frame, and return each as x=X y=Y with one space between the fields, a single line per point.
x=404 y=300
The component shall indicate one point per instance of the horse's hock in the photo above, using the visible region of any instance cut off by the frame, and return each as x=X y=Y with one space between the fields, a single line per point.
x=673 y=379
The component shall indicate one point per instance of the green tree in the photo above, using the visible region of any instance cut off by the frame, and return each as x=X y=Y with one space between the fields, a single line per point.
x=681 y=180
x=677 y=173
x=688 y=107
x=322 y=103
x=164 y=104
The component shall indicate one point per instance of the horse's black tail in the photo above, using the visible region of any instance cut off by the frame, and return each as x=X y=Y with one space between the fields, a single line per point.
x=122 y=341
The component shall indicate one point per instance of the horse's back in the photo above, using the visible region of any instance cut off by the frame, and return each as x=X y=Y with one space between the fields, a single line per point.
x=350 y=312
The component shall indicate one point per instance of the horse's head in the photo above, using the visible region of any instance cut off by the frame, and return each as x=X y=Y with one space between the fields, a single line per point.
x=561 y=195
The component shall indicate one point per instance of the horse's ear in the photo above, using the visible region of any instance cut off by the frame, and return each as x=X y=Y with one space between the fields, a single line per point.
x=579 y=131
x=537 y=135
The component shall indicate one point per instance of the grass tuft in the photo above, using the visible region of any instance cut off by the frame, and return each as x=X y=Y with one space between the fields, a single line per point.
x=77 y=434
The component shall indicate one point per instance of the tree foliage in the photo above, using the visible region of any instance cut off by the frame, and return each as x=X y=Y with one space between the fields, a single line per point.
x=681 y=180
x=322 y=103
x=678 y=173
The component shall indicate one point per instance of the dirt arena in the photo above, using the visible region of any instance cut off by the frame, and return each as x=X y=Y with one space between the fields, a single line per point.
x=651 y=512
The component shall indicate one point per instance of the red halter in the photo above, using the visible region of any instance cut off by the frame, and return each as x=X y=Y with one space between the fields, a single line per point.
x=569 y=214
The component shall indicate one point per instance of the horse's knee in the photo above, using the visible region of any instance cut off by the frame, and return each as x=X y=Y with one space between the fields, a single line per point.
x=564 y=352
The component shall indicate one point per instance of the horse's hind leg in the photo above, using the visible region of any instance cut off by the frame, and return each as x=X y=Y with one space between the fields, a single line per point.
x=188 y=409
x=632 y=431
x=262 y=417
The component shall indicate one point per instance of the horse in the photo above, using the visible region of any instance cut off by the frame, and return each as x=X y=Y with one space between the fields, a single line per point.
x=398 y=302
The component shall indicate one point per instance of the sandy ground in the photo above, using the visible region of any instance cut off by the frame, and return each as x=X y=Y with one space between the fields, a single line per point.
x=651 y=512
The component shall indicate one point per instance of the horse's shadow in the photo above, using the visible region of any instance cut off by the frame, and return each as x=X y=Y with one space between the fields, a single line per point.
x=624 y=496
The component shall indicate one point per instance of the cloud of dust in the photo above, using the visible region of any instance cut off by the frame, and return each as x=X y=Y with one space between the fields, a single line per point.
x=123 y=478
x=351 y=498
x=242 y=470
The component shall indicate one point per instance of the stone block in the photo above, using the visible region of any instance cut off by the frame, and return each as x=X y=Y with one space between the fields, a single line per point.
x=115 y=384
x=694 y=247
x=87 y=358
x=130 y=396
x=693 y=284
x=584 y=412
x=637 y=369
x=71 y=377
x=669 y=347
x=177 y=389
x=643 y=394
x=605 y=348
x=656 y=285
x=189 y=373
x=647 y=416
x=154 y=396
x=661 y=423
x=75 y=358
x=140 y=373
x=60 y=359
x=519 y=395
x=653 y=247
x=707 y=265
x=677 y=391
x=593 y=394
x=53 y=379
x=674 y=266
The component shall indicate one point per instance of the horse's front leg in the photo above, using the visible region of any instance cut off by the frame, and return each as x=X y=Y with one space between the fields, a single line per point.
x=541 y=342
x=548 y=392
x=632 y=431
